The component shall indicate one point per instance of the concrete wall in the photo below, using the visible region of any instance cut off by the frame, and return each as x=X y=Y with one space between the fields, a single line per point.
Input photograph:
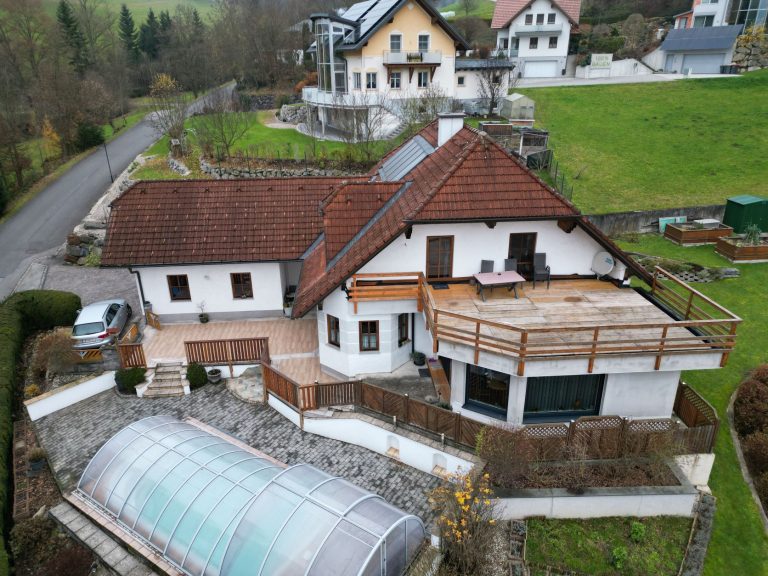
x=647 y=220
x=627 y=67
x=655 y=59
x=600 y=503
x=68 y=395
x=211 y=284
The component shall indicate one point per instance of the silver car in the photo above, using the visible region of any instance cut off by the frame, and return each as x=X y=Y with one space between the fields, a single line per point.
x=100 y=323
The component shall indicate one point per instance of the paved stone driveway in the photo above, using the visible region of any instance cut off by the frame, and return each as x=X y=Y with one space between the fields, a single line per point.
x=73 y=435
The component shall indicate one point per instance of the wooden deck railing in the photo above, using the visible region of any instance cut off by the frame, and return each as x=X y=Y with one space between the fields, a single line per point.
x=130 y=350
x=702 y=326
x=229 y=352
x=599 y=436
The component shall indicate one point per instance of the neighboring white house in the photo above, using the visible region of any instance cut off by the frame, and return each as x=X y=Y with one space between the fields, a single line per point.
x=385 y=263
x=535 y=34
x=379 y=54
x=704 y=13
x=699 y=50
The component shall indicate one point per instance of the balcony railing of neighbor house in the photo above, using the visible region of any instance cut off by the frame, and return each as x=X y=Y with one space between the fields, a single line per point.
x=406 y=58
x=696 y=329
x=598 y=436
x=533 y=29
x=229 y=352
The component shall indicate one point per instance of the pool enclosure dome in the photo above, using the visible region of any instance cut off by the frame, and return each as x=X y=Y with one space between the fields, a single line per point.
x=211 y=506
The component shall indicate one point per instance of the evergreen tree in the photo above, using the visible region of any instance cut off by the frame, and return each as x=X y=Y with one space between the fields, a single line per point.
x=73 y=36
x=128 y=34
x=197 y=22
x=149 y=36
x=164 y=38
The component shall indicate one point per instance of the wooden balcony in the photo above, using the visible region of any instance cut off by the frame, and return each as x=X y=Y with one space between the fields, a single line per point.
x=573 y=319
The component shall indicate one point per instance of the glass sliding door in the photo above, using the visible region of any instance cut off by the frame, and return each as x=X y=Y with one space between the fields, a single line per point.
x=558 y=398
x=487 y=391
x=522 y=247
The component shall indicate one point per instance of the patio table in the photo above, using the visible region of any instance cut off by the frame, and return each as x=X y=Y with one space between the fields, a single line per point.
x=509 y=279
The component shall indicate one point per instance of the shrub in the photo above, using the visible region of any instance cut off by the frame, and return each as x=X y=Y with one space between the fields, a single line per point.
x=4 y=197
x=20 y=315
x=756 y=452
x=637 y=532
x=88 y=136
x=74 y=560
x=750 y=409
x=761 y=487
x=36 y=454
x=619 y=556
x=760 y=374
x=196 y=375
x=31 y=391
x=31 y=539
x=128 y=378
x=281 y=100
x=53 y=354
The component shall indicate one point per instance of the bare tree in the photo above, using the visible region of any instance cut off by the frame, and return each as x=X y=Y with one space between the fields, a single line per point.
x=423 y=106
x=493 y=83
x=223 y=123
x=362 y=119
x=468 y=6
x=169 y=107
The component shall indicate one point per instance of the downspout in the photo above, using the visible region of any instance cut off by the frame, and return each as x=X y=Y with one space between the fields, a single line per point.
x=413 y=333
x=141 y=288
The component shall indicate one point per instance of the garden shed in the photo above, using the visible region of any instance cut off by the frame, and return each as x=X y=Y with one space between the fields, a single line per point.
x=211 y=506
x=741 y=211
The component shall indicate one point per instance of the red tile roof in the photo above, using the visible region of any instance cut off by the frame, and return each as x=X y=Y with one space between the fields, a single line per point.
x=199 y=221
x=506 y=10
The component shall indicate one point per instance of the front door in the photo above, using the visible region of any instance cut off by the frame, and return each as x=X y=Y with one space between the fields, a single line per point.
x=487 y=391
x=523 y=247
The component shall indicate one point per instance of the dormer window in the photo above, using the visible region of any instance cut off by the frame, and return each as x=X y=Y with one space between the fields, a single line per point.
x=395 y=42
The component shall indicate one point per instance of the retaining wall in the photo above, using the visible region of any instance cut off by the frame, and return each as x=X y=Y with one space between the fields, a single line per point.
x=68 y=395
x=644 y=221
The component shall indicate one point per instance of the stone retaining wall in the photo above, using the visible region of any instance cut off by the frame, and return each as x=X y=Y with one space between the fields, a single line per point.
x=232 y=172
x=266 y=101
x=644 y=221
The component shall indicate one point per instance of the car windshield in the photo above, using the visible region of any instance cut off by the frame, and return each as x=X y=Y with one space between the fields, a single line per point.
x=89 y=328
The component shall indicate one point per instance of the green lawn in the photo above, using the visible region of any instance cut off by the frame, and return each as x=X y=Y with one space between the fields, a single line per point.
x=586 y=546
x=140 y=8
x=483 y=9
x=739 y=544
x=659 y=144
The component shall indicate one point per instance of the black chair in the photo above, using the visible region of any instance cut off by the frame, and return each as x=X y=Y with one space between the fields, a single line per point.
x=540 y=269
x=510 y=265
x=486 y=266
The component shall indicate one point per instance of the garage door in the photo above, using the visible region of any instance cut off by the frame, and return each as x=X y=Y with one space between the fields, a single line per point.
x=543 y=69
x=703 y=63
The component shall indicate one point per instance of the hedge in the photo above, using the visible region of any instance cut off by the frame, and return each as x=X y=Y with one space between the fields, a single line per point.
x=128 y=378
x=20 y=316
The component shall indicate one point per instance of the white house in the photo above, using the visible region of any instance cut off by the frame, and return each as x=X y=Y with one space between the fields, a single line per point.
x=386 y=264
x=535 y=34
x=704 y=13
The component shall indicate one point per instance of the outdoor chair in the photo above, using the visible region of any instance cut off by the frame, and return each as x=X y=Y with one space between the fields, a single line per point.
x=510 y=265
x=486 y=266
x=540 y=268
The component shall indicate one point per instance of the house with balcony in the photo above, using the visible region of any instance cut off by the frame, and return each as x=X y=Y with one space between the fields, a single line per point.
x=450 y=247
x=535 y=34
x=378 y=54
x=704 y=13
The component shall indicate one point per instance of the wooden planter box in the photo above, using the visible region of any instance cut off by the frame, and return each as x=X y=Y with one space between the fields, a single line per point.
x=688 y=235
x=729 y=248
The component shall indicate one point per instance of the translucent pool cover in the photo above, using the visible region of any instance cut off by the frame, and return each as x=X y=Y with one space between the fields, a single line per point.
x=210 y=507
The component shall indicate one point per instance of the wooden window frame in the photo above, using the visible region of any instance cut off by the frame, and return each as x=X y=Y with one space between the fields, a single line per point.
x=523 y=265
x=450 y=266
x=250 y=285
x=403 y=337
x=188 y=297
x=329 y=319
x=360 y=335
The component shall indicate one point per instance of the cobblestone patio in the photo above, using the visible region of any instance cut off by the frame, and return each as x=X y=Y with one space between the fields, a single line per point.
x=72 y=436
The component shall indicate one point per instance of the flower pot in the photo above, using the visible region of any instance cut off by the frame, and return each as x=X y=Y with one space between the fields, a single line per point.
x=419 y=359
x=203 y=318
x=214 y=375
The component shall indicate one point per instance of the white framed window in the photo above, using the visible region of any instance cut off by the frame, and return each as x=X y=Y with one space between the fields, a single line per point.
x=423 y=79
x=394 y=80
x=357 y=80
x=370 y=80
x=395 y=42
x=553 y=41
x=529 y=18
x=539 y=18
x=551 y=18
x=423 y=42
x=460 y=80
x=533 y=43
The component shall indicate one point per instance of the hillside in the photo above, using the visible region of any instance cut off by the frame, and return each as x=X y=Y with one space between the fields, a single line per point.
x=659 y=145
x=139 y=8
x=482 y=9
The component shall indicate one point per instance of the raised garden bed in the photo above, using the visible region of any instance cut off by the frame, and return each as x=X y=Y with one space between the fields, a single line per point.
x=736 y=250
x=692 y=235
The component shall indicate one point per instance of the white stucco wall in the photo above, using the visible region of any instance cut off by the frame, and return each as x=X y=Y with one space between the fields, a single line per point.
x=68 y=395
x=641 y=394
x=211 y=284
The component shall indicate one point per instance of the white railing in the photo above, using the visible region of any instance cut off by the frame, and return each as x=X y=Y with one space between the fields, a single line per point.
x=406 y=57
x=531 y=29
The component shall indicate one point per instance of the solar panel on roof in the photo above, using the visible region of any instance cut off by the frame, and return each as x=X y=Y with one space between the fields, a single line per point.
x=375 y=14
x=356 y=10
x=405 y=159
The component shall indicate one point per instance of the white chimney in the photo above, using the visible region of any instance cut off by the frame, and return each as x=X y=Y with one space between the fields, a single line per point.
x=448 y=124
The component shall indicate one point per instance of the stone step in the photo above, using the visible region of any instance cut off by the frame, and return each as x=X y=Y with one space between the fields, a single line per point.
x=165 y=385
x=166 y=376
x=161 y=368
x=163 y=393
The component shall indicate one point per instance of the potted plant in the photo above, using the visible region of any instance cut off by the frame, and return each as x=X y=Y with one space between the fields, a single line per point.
x=214 y=375
x=36 y=458
x=287 y=307
x=203 y=317
x=419 y=358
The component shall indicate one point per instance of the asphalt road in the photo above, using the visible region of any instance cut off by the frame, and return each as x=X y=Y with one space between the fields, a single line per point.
x=44 y=222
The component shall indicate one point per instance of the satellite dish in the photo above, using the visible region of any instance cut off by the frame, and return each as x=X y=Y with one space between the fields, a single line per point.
x=603 y=263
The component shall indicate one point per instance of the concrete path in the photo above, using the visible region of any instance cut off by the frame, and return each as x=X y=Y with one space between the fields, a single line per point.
x=553 y=82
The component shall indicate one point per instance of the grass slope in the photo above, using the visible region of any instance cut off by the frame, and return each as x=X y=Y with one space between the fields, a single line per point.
x=739 y=544
x=482 y=9
x=660 y=144
x=140 y=8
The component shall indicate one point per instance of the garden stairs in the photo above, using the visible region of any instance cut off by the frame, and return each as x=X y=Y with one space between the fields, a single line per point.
x=168 y=381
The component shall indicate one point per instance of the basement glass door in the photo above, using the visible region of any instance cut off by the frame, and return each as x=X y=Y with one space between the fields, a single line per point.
x=487 y=391
x=523 y=247
x=558 y=398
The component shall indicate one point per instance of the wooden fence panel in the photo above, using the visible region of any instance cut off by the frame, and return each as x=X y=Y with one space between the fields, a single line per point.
x=235 y=351
x=468 y=431
x=281 y=386
x=132 y=355
x=597 y=436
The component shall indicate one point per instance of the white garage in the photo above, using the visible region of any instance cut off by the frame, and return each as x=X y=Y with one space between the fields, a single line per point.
x=541 y=69
x=703 y=63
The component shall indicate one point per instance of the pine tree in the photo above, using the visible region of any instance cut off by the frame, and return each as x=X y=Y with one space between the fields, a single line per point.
x=164 y=37
x=128 y=34
x=197 y=22
x=73 y=36
x=149 y=36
